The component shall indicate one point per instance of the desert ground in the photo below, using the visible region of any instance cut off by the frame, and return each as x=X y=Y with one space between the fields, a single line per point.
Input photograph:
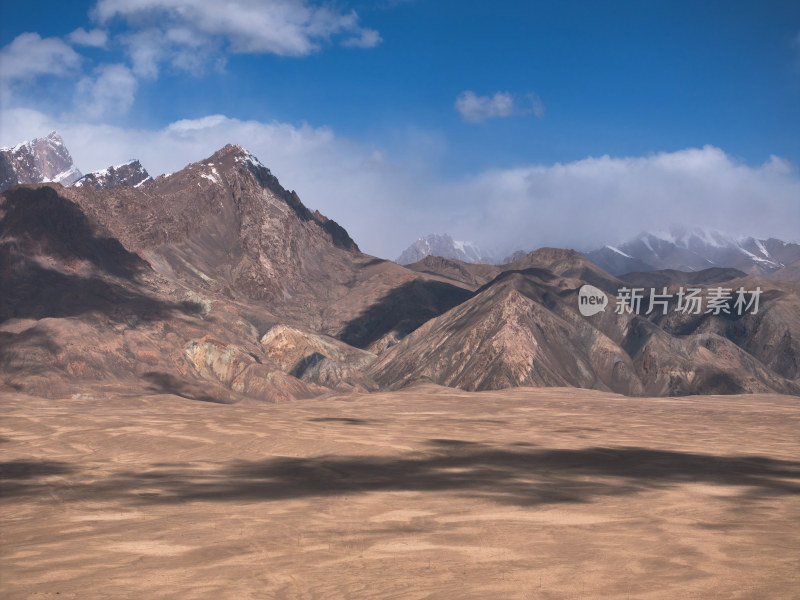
x=422 y=493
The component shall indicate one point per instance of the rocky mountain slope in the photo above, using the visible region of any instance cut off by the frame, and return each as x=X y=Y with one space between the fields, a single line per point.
x=524 y=328
x=218 y=284
x=37 y=161
x=174 y=284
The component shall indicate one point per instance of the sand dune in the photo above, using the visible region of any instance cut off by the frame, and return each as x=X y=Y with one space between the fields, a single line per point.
x=422 y=493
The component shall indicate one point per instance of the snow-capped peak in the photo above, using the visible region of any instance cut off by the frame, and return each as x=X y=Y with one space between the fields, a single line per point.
x=37 y=161
x=130 y=173
x=445 y=246
x=696 y=248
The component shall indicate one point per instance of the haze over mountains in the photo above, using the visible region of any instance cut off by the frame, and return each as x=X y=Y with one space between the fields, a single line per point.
x=679 y=248
x=445 y=246
x=695 y=249
x=217 y=283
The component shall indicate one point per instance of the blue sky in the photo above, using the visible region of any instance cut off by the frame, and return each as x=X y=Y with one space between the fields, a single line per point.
x=508 y=123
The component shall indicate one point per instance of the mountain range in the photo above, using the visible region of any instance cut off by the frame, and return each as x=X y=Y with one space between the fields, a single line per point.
x=218 y=284
x=695 y=249
x=679 y=248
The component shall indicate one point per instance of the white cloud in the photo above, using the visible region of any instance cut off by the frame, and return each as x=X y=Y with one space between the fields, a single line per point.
x=386 y=203
x=176 y=30
x=536 y=105
x=474 y=108
x=96 y=38
x=179 y=47
x=367 y=38
x=29 y=56
x=110 y=92
x=590 y=202
x=146 y=49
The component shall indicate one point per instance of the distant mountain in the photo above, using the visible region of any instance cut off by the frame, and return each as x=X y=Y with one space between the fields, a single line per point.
x=790 y=272
x=695 y=249
x=524 y=329
x=472 y=275
x=37 y=161
x=667 y=277
x=513 y=257
x=131 y=174
x=615 y=261
x=445 y=246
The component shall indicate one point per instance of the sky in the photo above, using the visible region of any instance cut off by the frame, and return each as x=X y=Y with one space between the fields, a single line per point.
x=512 y=124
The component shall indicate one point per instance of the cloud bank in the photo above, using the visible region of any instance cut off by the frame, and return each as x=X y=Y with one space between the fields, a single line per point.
x=590 y=202
x=30 y=56
x=185 y=33
x=387 y=203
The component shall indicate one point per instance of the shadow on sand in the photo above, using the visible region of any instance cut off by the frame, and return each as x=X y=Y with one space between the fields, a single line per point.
x=518 y=476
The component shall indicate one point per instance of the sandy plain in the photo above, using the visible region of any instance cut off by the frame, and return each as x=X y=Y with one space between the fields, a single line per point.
x=418 y=494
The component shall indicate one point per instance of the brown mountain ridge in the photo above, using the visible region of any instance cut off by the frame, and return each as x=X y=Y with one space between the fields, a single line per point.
x=218 y=284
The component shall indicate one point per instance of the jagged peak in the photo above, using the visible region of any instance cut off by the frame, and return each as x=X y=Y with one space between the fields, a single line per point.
x=53 y=138
x=229 y=150
x=130 y=173
x=233 y=158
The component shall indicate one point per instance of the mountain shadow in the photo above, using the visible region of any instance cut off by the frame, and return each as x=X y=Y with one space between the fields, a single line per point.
x=43 y=222
x=402 y=310
x=34 y=292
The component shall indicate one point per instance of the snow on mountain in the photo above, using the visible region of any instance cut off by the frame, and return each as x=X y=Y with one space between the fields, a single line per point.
x=694 y=249
x=131 y=174
x=445 y=246
x=37 y=161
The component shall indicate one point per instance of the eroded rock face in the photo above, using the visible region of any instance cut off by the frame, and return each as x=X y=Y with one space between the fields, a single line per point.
x=319 y=359
x=242 y=372
x=39 y=160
